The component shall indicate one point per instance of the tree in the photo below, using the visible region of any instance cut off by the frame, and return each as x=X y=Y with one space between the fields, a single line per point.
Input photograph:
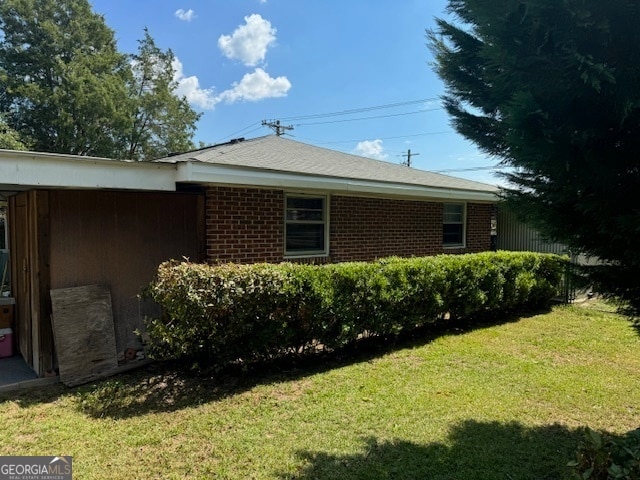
x=63 y=79
x=552 y=89
x=163 y=122
x=9 y=138
x=65 y=86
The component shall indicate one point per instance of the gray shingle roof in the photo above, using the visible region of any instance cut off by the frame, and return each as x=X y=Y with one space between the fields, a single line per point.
x=280 y=154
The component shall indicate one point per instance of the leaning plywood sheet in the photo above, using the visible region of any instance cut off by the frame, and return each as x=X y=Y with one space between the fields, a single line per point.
x=83 y=333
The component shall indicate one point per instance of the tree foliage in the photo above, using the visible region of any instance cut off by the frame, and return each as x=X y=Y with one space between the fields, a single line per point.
x=66 y=88
x=552 y=88
x=9 y=138
x=63 y=78
x=163 y=122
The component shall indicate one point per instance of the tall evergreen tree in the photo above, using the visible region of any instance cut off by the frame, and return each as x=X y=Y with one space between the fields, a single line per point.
x=552 y=88
x=63 y=79
x=163 y=121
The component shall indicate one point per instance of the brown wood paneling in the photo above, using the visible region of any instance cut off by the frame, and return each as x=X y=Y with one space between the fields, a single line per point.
x=118 y=239
x=40 y=277
x=20 y=270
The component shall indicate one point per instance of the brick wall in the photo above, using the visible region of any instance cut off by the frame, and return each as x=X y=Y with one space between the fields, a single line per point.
x=368 y=228
x=247 y=225
x=244 y=225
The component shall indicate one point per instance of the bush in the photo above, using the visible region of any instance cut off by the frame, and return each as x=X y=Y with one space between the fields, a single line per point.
x=605 y=458
x=215 y=315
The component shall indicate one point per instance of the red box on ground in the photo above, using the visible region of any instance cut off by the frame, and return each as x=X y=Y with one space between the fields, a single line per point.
x=6 y=342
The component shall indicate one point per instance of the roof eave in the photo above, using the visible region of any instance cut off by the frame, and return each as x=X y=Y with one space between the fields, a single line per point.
x=198 y=172
x=46 y=170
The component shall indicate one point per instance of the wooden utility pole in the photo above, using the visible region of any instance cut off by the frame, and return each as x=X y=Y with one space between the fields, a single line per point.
x=276 y=127
x=408 y=155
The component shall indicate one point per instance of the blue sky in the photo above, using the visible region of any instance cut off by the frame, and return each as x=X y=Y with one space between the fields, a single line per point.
x=243 y=61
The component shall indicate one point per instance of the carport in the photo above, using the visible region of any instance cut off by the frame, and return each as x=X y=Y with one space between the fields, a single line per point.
x=76 y=221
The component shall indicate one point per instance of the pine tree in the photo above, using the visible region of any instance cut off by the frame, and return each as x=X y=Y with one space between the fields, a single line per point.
x=552 y=89
x=163 y=122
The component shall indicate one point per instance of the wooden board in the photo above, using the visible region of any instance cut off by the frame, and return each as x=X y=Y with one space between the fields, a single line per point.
x=83 y=333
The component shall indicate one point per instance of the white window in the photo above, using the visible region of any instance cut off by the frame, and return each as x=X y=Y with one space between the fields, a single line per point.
x=453 y=228
x=305 y=225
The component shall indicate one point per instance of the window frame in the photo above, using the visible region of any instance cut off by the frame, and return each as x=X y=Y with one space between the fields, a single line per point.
x=463 y=243
x=325 y=222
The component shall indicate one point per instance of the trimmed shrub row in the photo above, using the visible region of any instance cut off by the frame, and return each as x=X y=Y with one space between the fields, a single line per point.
x=218 y=314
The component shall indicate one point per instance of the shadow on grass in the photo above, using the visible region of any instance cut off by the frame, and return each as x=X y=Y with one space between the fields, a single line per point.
x=473 y=451
x=168 y=386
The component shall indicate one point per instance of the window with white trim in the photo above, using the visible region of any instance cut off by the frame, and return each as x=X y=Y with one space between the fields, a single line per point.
x=453 y=228
x=305 y=225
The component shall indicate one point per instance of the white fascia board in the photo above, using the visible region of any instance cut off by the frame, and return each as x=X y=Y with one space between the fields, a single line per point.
x=197 y=172
x=42 y=170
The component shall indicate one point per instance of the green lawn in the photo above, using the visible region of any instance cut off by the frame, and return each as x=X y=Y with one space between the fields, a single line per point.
x=504 y=401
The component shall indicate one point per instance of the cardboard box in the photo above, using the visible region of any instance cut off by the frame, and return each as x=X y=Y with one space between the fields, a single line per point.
x=6 y=316
x=6 y=342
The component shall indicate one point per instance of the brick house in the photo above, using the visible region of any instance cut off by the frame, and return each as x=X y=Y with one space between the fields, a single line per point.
x=77 y=221
x=272 y=199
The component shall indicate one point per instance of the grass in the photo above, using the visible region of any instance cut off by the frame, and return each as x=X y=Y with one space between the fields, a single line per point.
x=503 y=401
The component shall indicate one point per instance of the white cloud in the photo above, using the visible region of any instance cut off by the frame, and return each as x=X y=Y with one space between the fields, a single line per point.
x=186 y=15
x=256 y=86
x=190 y=88
x=249 y=42
x=371 y=149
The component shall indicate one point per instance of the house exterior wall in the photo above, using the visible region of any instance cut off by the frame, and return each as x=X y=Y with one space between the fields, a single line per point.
x=246 y=225
x=118 y=239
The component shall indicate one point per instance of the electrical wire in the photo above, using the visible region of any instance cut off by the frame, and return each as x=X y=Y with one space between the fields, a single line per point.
x=388 y=138
x=232 y=135
x=356 y=110
x=368 y=118
x=470 y=169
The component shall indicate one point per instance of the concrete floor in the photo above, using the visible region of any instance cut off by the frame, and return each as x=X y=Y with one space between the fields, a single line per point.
x=15 y=370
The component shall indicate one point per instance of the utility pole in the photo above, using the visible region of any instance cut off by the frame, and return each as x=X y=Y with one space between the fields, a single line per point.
x=408 y=155
x=276 y=127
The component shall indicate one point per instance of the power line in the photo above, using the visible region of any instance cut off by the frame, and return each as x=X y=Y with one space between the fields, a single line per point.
x=368 y=118
x=470 y=169
x=357 y=110
x=231 y=135
x=389 y=138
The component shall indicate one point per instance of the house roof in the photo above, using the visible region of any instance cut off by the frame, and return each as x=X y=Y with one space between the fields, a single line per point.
x=267 y=162
x=281 y=162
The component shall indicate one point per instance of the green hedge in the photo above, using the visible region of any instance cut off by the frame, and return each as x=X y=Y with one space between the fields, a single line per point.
x=215 y=315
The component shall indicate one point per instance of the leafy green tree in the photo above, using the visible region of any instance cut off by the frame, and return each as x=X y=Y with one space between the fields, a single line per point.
x=9 y=138
x=552 y=89
x=163 y=121
x=63 y=79
x=65 y=86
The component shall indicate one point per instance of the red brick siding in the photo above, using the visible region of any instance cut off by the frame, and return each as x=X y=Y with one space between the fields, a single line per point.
x=246 y=225
x=369 y=228
x=478 y=227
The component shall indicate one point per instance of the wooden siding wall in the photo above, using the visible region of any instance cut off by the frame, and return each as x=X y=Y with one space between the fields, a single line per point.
x=117 y=239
